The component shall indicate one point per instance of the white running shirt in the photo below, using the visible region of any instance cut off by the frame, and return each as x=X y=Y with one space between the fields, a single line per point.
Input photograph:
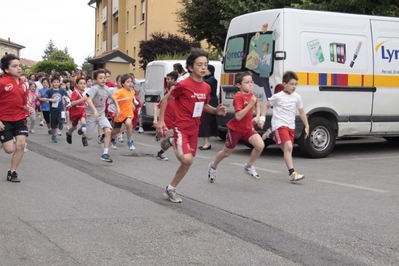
x=285 y=107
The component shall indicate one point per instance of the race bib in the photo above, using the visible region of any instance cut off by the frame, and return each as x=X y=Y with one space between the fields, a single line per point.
x=198 y=107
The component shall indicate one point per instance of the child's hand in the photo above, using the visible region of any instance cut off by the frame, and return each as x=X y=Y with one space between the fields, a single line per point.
x=96 y=115
x=117 y=115
x=261 y=124
x=221 y=110
x=255 y=120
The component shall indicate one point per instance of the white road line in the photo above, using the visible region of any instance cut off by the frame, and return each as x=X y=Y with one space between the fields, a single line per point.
x=258 y=168
x=353 y=186
x=202 y=157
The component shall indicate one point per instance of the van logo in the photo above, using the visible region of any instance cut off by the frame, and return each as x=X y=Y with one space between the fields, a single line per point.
x=387 y=53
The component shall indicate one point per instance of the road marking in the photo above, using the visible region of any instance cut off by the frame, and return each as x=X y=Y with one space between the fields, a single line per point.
x=353 y=186
x=202 y=157
x=259 y=169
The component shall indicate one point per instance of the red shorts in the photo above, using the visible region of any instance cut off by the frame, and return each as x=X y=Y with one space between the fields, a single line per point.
x=283 y=134
x=68 y=108
x=75 y=118
x=135 y=117
x=233 y=137
x=186 y=140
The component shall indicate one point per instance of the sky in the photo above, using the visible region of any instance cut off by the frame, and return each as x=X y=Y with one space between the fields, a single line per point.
x=32 y=23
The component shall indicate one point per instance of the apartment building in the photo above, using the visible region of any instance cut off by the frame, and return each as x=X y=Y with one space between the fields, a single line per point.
x=9 y=47
x=121 y=24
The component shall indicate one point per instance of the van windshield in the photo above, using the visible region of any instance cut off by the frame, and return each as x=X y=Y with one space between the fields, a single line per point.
x=252 y=51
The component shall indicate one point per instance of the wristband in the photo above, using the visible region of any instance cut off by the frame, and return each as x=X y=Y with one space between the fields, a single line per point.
x=214 y=111
x=262 y=119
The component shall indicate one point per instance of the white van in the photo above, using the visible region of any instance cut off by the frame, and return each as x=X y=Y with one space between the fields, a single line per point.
x=155 y=83
x=347 y=64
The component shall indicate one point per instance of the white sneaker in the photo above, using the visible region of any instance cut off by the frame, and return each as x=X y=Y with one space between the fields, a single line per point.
x=26 y=147
x=141 y=130
x=296 y=176
x=31 y=131
x=267 y=134
x=41 y=123
x=119 y=137
x=59 y=133
x=251 y=172
x=211 y=173
x=112 y=144
x=67 y=127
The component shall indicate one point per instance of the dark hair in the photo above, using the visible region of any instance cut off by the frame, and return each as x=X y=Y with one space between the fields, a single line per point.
x=5 y=61
x=32 y=83
x=195 y=53
x=46 y=79
x=55 y=77
x=98 y=71
x=118 y=77
x=288 y=75
x=240 y=76
x=173 y=75
x=125 y=77
x=107 y=71
x=79 y=79
x=89 y=77
x=178 y=68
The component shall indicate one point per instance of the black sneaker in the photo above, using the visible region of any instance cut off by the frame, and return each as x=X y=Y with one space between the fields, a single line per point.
x=13 y=177
x=85 y=143
x=49 y=132
x=106 y=158
x=68 y=137
x=80 y=131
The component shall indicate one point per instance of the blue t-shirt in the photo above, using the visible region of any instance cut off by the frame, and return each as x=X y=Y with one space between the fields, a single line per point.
x=45 y=105
x=59 y=96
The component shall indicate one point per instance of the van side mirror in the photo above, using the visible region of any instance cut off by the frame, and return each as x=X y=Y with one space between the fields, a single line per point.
x=280 y=55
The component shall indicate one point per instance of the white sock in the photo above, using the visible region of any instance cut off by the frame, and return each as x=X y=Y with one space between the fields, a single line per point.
x=170 y=187
x=105 y=151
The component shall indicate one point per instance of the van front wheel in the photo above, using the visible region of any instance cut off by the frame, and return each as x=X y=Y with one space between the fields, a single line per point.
x=321 y=139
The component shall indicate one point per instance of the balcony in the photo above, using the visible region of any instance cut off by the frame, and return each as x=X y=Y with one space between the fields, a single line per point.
x=115 y=41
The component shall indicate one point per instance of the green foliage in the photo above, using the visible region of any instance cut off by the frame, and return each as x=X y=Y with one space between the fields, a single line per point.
x=170 y=56
x=50 y=48
x=162 y=43
x=46 y=66
x=59 y=56
x=86 y=66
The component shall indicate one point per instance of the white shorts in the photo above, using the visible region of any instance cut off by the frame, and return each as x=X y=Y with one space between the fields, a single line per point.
x=91 y=124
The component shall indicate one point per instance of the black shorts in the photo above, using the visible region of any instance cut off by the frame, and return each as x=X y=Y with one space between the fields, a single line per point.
x=119 y=124
x=55 y=119
x=13 y=129
x=46 y=116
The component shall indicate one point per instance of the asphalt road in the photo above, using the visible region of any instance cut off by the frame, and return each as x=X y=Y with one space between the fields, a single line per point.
x=73 y=209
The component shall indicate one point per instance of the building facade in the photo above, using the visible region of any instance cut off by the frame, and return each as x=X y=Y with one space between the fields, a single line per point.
x=122 y=24
x=9 y=47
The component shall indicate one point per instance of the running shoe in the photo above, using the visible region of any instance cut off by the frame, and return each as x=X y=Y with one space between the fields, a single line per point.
x=161 y=157
x=31 y=131
x=251 y=172
x=119 y=137
x=211 y=173
x=171 y=195
x=296 y=176
x=26 y=147
x=141 y=130
x=130 y=144
x=101 y=139
x=54 y=139
x=84 y=142
x=106 y=158
x=68 y=137
x=13 y=177
x=268 y=134
x=59 y=133
x=113 y=144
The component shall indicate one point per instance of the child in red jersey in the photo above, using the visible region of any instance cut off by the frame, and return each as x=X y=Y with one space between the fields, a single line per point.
x=14 y=109
x=241 y=127
x=78 y=111
x=191 y=96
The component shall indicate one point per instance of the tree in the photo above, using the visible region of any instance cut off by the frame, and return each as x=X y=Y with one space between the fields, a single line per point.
x=162 y=43
x=86 y=66
x=192 y=22
x=59 y=56
x=50 y=48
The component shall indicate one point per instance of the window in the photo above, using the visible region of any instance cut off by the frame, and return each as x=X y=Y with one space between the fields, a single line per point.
x=115 y=26
x=135 y=16
x=127 y=21
x=252 y=51
x=142 y=10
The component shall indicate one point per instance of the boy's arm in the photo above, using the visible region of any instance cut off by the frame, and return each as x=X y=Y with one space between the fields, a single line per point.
x=75 y=102
x=262 y=118
x=255 y=120
x=155 y=116
x=240 y=114
x=164 y=103
x=219 y=110
x=118 y=110
x=91 y=104
x=305 y=121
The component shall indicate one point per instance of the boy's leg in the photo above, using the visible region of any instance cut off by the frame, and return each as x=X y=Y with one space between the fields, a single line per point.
x=256 y=141
x=90 y=126
x=286 y=147
x=19 y=151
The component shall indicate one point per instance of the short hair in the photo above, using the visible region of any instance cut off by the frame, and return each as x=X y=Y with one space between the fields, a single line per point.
x=98 y=71
x=240 y=76
x=89 y=77
x=195 y=53
x=173 y=75
x=107 y=71
x=46 y=79
x=32 y=83
x=55 y=77
x=288 y=75
x=79 y=79
x=5 y=61
x=178 y=68
x=125 y=77
x=118 y=77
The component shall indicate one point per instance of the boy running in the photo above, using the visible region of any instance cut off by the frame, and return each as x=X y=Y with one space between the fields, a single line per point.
x=78 y=112
x=124 y=97
x=285 y=104
x=191 y=98
x=56 y=96
x=241 y=127
x=95 y=111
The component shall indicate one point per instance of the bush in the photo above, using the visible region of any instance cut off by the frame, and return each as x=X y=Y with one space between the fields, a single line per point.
x=47 y=65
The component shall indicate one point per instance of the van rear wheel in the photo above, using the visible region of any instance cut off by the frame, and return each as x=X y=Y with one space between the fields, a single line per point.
x=321 y=139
